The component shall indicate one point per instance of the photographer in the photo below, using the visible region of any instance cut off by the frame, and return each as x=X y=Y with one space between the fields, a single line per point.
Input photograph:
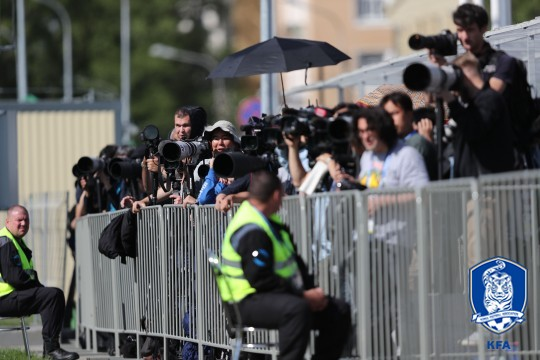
x=483 y=141
x=329 y=145
x=189 y=123
x=99 y=189
x=499 y=71
x=399 y=105
x=223 y=137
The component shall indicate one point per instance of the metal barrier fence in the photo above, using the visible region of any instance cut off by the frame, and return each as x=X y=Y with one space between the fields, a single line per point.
x=399 y=257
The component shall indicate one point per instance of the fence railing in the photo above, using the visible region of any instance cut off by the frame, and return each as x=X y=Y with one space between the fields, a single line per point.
x=399 y=257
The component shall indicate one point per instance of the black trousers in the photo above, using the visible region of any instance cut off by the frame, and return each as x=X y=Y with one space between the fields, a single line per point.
x=46 y=301
x=291 y=316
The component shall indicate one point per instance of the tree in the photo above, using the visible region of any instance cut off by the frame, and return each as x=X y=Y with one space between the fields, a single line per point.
x=158 y=86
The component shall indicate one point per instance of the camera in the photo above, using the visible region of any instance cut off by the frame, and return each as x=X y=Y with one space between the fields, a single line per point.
x=431 y=78
x=293 y=126
x=150 y=136
x=89 y=165
x=340 y=128
x=125 y=168
x=236 y=164
x=174 y=151
x=262 y=135
x=444 y=44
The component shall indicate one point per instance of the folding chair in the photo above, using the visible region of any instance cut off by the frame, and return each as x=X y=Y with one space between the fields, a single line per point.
x=23 y=329
x=234 y=327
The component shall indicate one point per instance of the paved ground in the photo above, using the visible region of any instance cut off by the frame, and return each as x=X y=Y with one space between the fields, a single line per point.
x=14 y=339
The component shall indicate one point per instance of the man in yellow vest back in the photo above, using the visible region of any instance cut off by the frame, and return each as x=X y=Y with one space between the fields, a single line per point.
x=270 y=282
x=21 y=293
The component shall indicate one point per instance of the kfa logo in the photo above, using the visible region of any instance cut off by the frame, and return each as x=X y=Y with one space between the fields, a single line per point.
x=498 y=294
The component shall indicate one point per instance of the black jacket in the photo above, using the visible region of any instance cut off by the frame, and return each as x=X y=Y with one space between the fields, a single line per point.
x=483 y=140
x=11 y=266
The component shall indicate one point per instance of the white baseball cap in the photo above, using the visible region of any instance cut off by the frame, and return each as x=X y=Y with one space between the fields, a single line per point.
x=224 y=125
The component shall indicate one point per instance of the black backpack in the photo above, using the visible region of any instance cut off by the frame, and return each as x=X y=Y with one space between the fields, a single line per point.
x=119 y=238
x=523 y=107
x=109 y=243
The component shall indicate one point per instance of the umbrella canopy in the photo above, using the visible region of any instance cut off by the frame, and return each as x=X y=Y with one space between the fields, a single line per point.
x=278 y=55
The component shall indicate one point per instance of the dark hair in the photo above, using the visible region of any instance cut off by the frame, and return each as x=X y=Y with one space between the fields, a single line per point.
x=399 y=98
x=469 y=14
x=197 y=118
x=108 y=151
x=344 y=107
x=263 y=184
x=381 y=122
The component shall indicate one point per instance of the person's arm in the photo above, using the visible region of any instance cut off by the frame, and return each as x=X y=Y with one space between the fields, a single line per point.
x=161 y=196
x=296 y=169
x=207 y=195
x=497 y=84
x=11 y=267
x=81 y=207
x=234 y=192
x=504 y=73
x=225 y=202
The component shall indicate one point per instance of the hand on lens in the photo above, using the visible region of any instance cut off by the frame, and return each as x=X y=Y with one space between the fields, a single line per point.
x=152 y=164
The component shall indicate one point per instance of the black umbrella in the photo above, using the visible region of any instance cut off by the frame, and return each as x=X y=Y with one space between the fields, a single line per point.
x=278 y=55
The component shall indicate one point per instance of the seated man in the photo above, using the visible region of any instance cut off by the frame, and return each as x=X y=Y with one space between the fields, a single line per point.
x=269 y=281
x=21 y=293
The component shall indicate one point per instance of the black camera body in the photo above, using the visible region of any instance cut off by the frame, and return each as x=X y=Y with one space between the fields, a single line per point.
x=294 y=126
x=262 y=135
x=444 y=44
x=150 y=137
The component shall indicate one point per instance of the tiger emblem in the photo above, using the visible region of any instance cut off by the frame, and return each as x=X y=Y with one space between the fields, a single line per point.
x=499 y=291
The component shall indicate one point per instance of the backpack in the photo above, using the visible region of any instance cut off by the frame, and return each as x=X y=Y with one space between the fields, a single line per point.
x=119 y=238
x=109 y=243
x=523 y=108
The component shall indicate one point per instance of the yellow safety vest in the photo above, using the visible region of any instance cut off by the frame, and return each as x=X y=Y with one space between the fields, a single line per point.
x=6 y=288
x=233 y=286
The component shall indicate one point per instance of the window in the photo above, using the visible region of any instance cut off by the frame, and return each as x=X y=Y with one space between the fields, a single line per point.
x=370 y=9
x=368 y=59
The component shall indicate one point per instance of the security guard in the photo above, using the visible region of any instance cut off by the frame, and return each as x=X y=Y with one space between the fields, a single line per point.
x=269 y=281
x=21 y=293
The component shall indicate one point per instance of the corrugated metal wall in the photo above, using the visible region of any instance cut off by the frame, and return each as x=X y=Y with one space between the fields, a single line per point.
x=49 y=143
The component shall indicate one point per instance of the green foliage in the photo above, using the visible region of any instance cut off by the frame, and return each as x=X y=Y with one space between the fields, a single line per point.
x=525 y=10
x=158 y=86
x=16 y=354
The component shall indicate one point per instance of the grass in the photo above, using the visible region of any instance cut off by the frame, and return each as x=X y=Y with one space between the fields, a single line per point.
x=16 y=354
